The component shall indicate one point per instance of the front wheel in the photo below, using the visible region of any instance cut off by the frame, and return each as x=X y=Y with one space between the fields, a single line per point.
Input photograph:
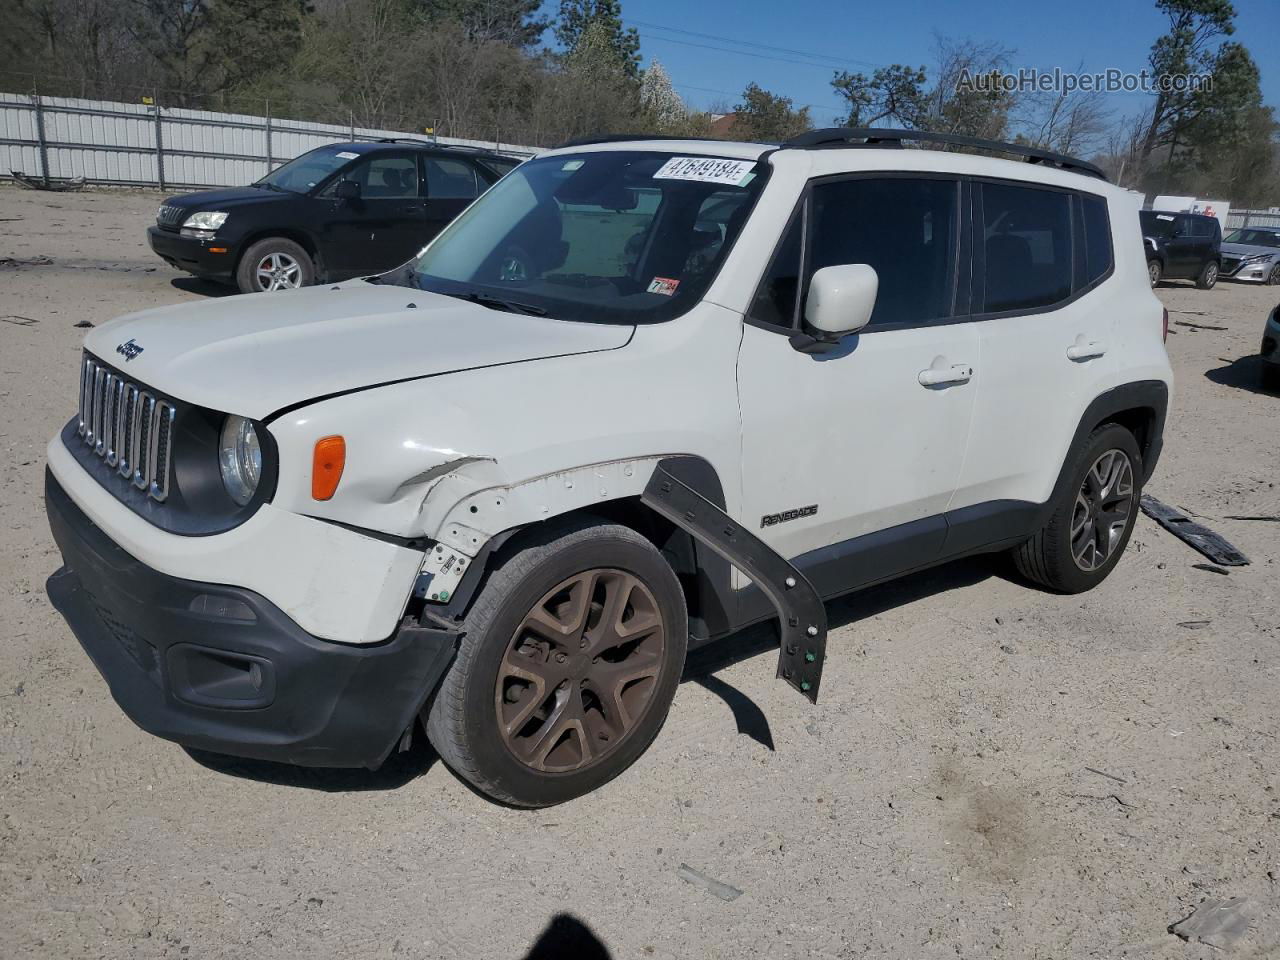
x=275 y=263
x=1273 y=278
x=1208 y=276
x=569 y=661
x=1092 y=517
x=1154 y=271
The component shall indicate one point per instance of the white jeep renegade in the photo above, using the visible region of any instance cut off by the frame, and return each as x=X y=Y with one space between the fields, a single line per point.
x=639 y=395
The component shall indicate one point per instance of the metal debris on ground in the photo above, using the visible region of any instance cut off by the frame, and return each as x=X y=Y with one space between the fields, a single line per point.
x=58 y=184
x=83 y=323
x=1194 y=624
x=1198 y=326
x=1212 y=545
x=18 y=321
x=1109 y=776
x=1217 y=923
x=1260 y=519
x=714 y=887
x=1209 y=568
x=37 y=261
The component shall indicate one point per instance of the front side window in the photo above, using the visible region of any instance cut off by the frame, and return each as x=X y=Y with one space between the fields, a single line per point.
x=1027 y=246
x=1160 y=225
x=904 y=228
x=388 y=178
x=617 y=236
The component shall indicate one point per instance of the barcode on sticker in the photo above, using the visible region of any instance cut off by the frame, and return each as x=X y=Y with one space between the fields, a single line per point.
x=705 y=170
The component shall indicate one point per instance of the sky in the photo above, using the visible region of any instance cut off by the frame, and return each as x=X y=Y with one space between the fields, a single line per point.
x=858 y=36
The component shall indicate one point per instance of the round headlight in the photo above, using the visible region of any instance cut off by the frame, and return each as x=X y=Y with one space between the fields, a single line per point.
x=240 y=459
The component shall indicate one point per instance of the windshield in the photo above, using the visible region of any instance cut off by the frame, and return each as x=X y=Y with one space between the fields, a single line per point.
x=1157 y=224
x=1256 y=238
x=609 y=237
x=302 y=173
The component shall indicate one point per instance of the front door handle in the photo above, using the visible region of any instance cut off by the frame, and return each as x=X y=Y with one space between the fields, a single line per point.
x=1084 y=349
x=413 y=208
x=941 y=373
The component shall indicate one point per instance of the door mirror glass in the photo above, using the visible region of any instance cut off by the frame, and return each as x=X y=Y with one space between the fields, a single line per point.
x=347 y=190
x=841 y=299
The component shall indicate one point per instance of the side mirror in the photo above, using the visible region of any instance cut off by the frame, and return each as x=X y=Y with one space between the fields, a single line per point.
x=347 y=190
x=841 y=299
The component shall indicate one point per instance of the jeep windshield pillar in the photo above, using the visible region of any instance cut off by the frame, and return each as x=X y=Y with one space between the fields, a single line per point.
x=802 y=617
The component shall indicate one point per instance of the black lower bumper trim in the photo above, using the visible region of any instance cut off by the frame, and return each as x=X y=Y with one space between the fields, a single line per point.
x=223 y=669
x=193 y=255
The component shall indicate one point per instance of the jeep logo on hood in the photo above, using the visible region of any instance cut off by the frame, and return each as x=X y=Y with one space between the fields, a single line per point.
x=129 y=349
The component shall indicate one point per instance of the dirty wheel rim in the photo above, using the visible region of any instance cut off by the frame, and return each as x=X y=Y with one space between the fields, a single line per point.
x=1103 y=506
x=278 y=271
x=1153 y=271
x=581 y=671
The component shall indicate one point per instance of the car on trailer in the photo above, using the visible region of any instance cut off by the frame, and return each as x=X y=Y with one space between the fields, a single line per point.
x=645 y=392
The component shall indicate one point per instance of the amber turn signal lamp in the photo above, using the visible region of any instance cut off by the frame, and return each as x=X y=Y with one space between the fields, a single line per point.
x=326 y=466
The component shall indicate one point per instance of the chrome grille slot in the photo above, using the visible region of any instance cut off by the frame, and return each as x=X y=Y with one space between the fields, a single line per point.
x=129 y=428
x=169 y=216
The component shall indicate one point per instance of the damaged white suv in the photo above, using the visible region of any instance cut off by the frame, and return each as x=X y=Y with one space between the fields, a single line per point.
x=641 y=394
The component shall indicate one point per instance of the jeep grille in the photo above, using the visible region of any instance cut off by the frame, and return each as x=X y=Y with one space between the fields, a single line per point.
x=128 y=427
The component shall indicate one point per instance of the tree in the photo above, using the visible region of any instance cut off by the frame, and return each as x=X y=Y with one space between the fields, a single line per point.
x=659 y=99
x=576 y=16
x=768 y=117
x=1187 y=48
x=894 y=93
x=515 y=23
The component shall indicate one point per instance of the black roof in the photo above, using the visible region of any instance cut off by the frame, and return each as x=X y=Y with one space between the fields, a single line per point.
x=399 y=143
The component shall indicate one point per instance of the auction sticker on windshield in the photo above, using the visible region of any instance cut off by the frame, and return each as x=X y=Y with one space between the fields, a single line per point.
x=706 y=170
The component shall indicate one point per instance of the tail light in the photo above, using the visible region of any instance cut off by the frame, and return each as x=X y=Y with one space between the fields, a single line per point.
x=1165 y=323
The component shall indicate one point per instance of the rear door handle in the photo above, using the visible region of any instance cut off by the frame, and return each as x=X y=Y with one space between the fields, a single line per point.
x=941 y=373
x=1084 y=349
x=413 y=208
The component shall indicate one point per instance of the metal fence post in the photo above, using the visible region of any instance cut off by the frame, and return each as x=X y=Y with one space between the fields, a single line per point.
x=36 y=99
x=159 y=142
x=268 y=109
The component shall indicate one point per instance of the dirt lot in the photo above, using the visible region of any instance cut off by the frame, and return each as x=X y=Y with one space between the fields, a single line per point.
x=938 y=802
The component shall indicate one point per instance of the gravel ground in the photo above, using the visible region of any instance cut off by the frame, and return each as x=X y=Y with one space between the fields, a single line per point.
x=993 y=771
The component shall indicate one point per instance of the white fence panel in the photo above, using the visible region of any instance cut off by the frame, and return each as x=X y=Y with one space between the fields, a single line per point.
x=122 y=143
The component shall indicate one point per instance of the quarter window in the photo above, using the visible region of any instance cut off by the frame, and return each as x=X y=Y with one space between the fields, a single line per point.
x=775 y=301
x=1027 y=246
x=1097 y=238
x=904 y=228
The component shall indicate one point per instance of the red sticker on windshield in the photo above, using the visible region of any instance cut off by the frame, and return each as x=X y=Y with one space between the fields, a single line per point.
x=663 y=285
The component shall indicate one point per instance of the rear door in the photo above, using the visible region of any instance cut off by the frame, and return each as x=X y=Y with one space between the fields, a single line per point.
x=451 y=184
x=1041 y=255
x=849 y=442
x=381 y=228
x=1183 y=249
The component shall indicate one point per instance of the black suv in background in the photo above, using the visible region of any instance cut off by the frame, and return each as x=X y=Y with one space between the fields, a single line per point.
x=339 y=211
x=1182 y=246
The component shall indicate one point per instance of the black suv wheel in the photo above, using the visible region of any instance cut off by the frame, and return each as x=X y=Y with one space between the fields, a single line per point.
x=274 y=263
x=1208 y=275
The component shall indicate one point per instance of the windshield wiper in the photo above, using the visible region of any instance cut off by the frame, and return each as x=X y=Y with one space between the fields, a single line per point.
x=263 y=185
x=498 y=303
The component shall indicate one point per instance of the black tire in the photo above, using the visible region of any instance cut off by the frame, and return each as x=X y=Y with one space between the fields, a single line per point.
x=1154 y=271
x=462 y=721
x=1273 y=278
x=1208 y=275
x=1047 y=558
x=1269 y=376
x=249 y=277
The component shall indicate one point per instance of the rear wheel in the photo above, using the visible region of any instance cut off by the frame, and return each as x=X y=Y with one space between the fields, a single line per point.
x=1208 y=275
x=275 y=263
x=569 y=661
x=1154 y=271
x=1092 y=518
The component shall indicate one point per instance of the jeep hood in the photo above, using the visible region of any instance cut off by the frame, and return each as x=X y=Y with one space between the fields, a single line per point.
x=254 y=355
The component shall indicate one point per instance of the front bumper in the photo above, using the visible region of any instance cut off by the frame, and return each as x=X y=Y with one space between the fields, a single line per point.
x=1271 y=338
x=193 y=255
x=1249 y=272
x=223 y=669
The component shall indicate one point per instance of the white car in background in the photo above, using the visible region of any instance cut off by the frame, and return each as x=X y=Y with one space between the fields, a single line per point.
x=639 y=395
x=1253 y=254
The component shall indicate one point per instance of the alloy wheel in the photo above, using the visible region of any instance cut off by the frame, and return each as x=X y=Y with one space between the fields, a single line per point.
x=1153 y=272
x=580 y=671
x=1211 y=275
x=1274 y=279
x=278 y=271
x=1103 y=507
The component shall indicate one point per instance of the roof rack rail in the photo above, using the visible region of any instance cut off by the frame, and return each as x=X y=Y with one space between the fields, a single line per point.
x=621 y=138
x=871 y=137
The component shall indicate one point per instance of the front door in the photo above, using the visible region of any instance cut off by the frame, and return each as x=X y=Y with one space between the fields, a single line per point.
x=869 y=436
x=384 y=225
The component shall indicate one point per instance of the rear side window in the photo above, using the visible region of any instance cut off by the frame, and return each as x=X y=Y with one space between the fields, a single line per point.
x=1027 y=245
x=905 y=228
x=1202 y=227
x=1097 y=238
x=500 y=165
x=449 y=179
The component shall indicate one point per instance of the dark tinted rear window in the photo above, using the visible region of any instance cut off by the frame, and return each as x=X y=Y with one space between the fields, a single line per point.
x=1203 y=226
x=1097 y=238
x=1027 y=241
